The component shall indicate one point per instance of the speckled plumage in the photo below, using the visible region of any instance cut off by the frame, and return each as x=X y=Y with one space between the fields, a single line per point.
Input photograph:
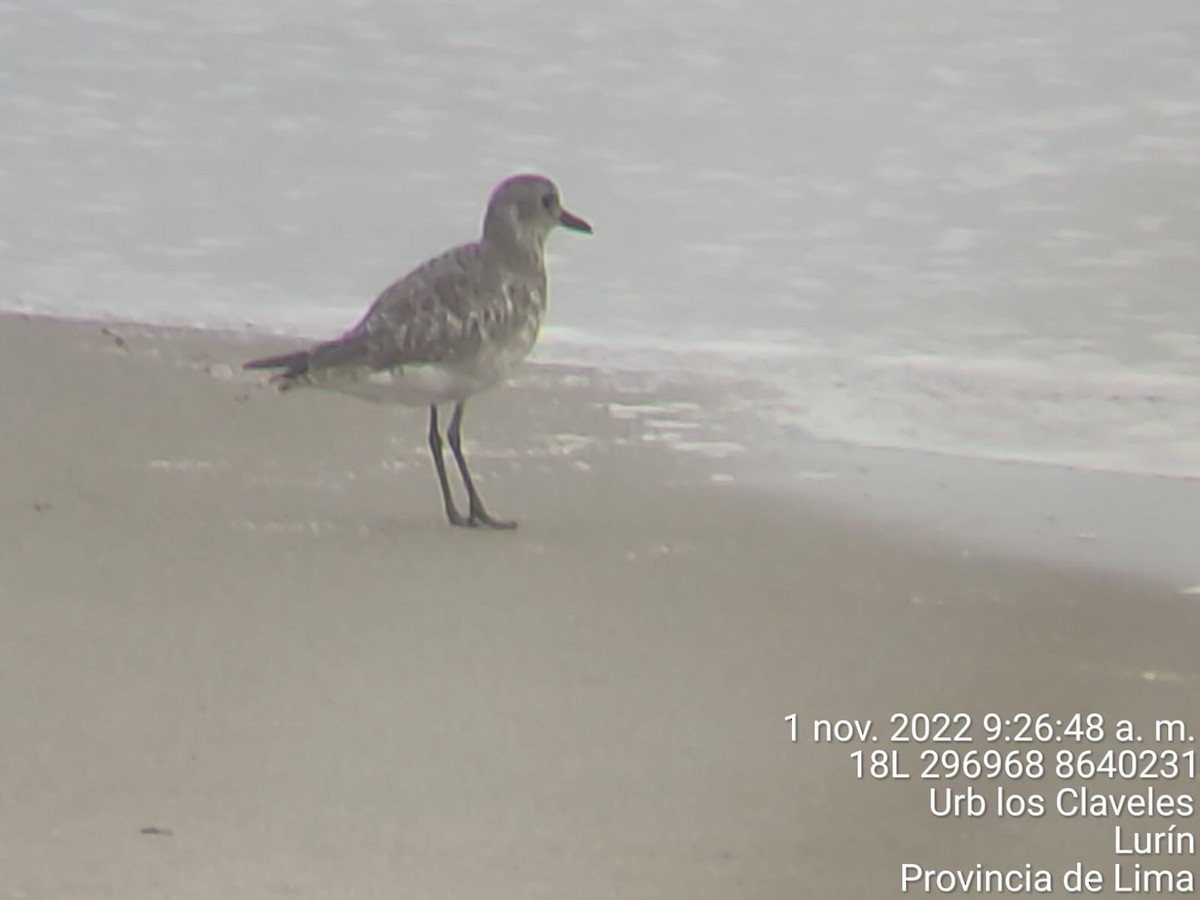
x=454 y=326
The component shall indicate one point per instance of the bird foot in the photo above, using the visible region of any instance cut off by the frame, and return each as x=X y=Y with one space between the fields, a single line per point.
x=497 y=524
x=479 y=517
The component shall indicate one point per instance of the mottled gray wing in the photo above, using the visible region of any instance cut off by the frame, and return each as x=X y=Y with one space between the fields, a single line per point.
x=423 y=317
x=441 y=312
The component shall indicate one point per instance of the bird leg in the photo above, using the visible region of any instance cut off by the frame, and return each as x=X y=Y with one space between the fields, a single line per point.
x=435 y=447
x=478 y=515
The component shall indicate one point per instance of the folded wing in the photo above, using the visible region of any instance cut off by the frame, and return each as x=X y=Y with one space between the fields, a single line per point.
x=441 y=313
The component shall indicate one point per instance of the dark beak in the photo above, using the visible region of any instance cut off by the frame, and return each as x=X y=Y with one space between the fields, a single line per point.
x=572 y=221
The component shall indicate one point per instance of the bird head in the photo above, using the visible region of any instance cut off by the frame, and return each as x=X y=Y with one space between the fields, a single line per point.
x=525 y=209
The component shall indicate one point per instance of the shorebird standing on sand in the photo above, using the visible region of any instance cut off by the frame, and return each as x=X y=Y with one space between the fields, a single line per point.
x=451 y=328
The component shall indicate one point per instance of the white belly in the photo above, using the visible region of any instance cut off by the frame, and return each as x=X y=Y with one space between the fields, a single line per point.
x=414 y=386
x=430 y=384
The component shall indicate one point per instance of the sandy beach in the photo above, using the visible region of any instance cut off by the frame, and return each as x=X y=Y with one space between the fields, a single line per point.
x=244 y=656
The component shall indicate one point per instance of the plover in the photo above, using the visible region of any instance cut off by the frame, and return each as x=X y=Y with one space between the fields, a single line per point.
x=451 y=328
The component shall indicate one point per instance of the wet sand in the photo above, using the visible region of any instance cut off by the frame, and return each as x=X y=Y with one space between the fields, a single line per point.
x=240 y=619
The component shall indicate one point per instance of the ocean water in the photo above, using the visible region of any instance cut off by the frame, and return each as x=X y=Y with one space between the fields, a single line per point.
x=970 y=228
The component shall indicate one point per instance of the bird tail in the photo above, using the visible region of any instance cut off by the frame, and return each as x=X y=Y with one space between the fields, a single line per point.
x=300 y=366
x=296 y=360
x=294 y=366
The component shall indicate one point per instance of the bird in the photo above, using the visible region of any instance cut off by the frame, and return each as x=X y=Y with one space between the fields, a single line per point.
x=454 y=326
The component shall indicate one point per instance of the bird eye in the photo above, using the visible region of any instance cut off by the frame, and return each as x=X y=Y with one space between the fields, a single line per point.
x=548 y=201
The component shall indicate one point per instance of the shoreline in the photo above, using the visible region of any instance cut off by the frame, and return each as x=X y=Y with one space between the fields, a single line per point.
x=1034 y=511
x=240 y=618
x=1028 y=511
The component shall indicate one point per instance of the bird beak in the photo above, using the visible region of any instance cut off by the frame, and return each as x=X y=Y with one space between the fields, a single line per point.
x=572 y=221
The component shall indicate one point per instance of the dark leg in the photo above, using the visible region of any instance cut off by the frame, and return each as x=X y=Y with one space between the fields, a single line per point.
x=435 y=447
x=478 y=515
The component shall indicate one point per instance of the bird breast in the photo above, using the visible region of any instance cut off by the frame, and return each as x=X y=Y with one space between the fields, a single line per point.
x=514 y=329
